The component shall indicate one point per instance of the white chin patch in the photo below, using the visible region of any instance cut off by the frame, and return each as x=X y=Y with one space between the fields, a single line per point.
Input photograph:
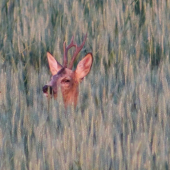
x=46 y=94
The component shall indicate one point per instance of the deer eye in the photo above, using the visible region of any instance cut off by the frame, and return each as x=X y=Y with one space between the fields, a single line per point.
x=65 y=81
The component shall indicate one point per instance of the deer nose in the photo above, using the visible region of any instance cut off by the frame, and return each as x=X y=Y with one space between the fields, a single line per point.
x=47 y=88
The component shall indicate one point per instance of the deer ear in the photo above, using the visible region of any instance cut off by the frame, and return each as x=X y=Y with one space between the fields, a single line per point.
x=53 y=64
x=84 y=66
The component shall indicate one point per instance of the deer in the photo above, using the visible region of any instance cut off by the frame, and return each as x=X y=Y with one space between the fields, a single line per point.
x=64 y=77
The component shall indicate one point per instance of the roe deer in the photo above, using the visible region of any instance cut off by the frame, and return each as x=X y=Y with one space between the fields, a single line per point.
x=64 y=77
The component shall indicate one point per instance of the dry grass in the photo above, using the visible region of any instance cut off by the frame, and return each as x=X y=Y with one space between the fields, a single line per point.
x=122 y=120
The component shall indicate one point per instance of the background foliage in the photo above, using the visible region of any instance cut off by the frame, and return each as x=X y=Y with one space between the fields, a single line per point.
x=122 y=119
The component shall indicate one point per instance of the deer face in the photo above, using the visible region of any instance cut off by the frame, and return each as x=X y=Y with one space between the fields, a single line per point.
x=65 y=79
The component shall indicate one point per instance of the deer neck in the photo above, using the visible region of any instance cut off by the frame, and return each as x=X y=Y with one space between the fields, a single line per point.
x=70 y=96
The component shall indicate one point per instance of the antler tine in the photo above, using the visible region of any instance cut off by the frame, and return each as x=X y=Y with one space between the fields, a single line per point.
x=77 y=50
x=65 y=59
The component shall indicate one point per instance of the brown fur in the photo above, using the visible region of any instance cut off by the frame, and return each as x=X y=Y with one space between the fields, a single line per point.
x=69 y=89
x=65 y=78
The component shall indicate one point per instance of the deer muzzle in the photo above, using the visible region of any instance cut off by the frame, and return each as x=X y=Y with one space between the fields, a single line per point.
x=47 y=89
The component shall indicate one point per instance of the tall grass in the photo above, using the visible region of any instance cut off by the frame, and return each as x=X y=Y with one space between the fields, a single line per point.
x=123 y=114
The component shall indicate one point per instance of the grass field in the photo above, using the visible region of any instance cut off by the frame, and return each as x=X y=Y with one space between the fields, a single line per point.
x=122 y=121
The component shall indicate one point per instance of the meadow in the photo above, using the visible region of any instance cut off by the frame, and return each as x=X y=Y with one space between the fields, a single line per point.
x=122 y=120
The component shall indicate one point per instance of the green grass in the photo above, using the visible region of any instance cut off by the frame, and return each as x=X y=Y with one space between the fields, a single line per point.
x=122 y=120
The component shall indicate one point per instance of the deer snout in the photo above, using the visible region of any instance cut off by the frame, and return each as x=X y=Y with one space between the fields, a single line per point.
x=47 y=89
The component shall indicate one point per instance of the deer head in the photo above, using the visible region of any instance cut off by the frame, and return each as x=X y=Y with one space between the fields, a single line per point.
x=64 y=78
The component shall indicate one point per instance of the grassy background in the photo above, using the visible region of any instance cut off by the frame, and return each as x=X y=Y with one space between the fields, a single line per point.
x=122 y=120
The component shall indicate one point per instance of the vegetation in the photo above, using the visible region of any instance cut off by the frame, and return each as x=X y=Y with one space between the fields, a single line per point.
x=122 y=120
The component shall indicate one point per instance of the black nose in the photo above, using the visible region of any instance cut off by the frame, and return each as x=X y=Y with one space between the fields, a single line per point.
x=47 y=88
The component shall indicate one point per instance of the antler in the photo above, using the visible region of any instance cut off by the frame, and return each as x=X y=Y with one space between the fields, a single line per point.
x=66 y=50
x=76 y=51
